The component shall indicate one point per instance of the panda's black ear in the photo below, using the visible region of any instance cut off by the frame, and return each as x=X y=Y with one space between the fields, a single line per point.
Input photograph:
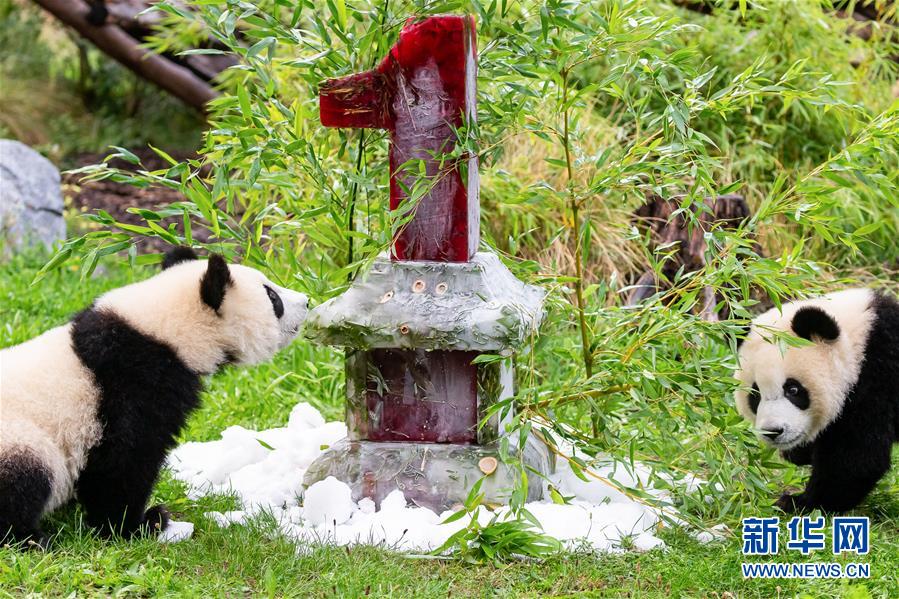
x=809 y=322
x=177 y=255
x=215 y=282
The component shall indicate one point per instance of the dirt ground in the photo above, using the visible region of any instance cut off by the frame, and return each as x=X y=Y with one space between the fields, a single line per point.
x=116 y=198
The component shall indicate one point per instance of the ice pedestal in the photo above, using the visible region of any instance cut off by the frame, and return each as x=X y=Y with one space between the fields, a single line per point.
x=476 y=305
x=437 y=476
x=418 y=405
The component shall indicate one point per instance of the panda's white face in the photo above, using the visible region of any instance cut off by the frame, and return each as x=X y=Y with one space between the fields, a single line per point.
x=258 y=318
x=791 y=394
x=779 y=408
x=212 y=313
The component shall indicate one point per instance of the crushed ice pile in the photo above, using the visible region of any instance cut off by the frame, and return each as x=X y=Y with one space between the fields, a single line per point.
x=264 y=469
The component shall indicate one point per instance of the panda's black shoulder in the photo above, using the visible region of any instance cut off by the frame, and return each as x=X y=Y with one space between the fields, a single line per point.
x=871 y=409
x=886 y=309
x=130 y=366
x=880 y=370
x=882 y=346
x=145 y=393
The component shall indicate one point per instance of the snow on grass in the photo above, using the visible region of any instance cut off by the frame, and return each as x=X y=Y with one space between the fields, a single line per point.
x=265 y=469
x=176 y=532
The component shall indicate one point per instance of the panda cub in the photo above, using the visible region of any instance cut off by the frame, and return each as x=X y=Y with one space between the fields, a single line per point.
x=89 y=409
x=833 y=404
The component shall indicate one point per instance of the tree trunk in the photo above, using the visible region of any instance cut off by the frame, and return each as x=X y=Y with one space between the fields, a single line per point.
x=111 y=39
x=726 y=211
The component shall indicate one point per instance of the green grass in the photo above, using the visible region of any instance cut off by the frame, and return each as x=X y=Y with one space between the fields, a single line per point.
x=254 y=561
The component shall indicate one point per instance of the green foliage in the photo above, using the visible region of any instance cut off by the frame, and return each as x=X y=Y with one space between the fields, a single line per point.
x=501 y=540
x=584 y=109
x=62 y=96
x=25 y=313
x=498 y=540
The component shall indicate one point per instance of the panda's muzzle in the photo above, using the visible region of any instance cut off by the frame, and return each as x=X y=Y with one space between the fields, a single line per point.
x=772 y=434
x=780 y=438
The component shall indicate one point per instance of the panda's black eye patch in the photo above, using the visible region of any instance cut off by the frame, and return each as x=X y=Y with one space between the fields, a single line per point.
x=755 y=396
x=277 y=304
x=796 y=394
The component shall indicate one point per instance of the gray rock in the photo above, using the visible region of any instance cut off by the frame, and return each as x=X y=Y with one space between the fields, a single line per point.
x=31 y=207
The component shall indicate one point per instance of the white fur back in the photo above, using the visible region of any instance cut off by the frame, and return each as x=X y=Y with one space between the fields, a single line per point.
x=48 y=403
x=167 y=307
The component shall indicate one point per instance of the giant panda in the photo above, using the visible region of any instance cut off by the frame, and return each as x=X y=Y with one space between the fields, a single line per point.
x=89 y=409
x=832 y=403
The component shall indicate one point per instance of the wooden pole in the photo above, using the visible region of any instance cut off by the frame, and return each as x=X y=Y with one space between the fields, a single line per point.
x=112 y=40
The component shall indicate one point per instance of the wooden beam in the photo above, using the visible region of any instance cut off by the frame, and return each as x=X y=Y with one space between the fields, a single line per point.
x=112 y=40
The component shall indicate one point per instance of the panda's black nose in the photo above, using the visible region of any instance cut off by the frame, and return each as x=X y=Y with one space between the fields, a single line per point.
x=773 y=433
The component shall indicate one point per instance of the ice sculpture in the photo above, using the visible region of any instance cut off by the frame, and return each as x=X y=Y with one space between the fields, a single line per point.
x=417 y=404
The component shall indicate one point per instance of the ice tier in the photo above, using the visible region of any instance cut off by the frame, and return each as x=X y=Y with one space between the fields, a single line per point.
x=418 y=405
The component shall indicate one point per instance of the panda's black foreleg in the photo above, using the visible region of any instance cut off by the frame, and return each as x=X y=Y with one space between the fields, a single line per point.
x=25 y=487
x=801 y=456
x=114 y=490
x=842 y=476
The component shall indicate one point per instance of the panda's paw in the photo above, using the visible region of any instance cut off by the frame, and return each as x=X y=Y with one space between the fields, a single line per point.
x=156 y=519
x=785 y=503
x=792 y=504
